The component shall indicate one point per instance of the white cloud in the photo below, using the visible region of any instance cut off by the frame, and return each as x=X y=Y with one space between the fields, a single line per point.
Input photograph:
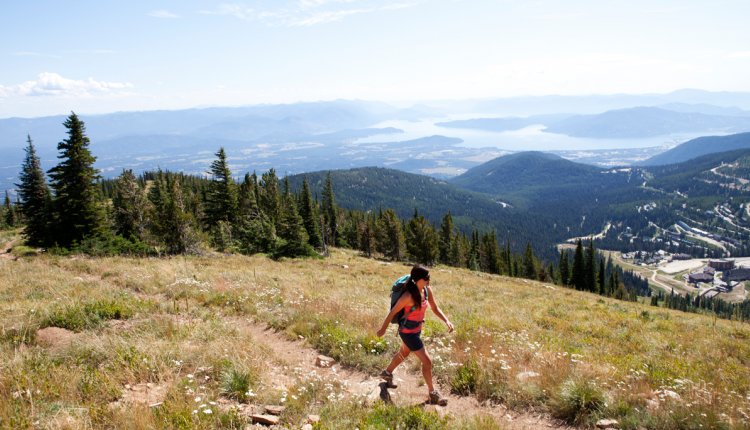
x=53 y=84
x=304 y=13
x=162 y=13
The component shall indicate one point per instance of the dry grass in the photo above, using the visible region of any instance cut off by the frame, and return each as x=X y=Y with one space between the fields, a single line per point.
x=530 y=344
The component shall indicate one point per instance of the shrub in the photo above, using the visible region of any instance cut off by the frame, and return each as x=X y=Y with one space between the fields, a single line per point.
x=235 y=384
x=576 y=401
x=90 y=315
x=111 y=245
x=414 y=417
x=464 y=382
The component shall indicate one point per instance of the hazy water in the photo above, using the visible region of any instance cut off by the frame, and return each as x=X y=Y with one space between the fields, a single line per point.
x=525 y=139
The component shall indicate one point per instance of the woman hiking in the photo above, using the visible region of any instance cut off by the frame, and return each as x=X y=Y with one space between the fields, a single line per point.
x=413 y=302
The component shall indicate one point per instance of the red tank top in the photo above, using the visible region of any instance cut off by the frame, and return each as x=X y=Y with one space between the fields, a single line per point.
x=417 y=315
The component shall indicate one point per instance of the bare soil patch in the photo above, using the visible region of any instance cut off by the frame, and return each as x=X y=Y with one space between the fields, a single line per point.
x=54 y=338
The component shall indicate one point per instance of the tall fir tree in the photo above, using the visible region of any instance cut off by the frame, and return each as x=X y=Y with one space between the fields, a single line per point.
x=421 y=240
x=529 y=268
x=130 y=205
x=390 y=236
x=489 y=253
x=78 y=212
x=589 y=268
x=474 y=258
x=291 y=229
x=446 y=239
x=330 y=219
x=577 y=276
x=564 y=268
x=35 y=198
x=269 y=198
x=221 y=198
x=600 y=277
x=307 y=211
x=9 y=212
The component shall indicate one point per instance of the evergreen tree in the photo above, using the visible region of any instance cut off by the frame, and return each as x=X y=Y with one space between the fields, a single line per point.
x=256 y=233
x=35 y=198
x=474 y=260
x=172 y=223
x=564 y=268
x=76 y=195
x=330 y=213
x=529 y=270
x=489 y=253
x=9 y=212
x=129 y=205
x=446 y=239
x=421 y=240
x=508 y=256
x=600 y=276
x=390 y=236
x=269 y=198
x=577 y=276
x=367 y=236
x=309 y=217
x=589 y=268
x=459 y=251
x=291 y=229
x=221 y=198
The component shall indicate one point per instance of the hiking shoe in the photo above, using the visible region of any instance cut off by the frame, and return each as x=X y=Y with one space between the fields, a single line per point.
x=436 y=399
x=388 y=378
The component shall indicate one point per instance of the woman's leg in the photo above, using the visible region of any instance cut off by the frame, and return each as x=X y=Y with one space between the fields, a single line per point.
x=424 y=357
x=399 y=358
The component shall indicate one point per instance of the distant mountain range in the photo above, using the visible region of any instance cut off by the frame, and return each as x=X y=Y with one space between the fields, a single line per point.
x=637 y=122
x=700 y=146
x=542 y=198
x=646 y=121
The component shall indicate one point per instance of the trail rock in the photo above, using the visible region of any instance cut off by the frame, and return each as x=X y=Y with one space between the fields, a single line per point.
x=307 y=426
x=270 y=420
x=312 y=419
x=607 y=424
x=274 y=410
x=323 y=361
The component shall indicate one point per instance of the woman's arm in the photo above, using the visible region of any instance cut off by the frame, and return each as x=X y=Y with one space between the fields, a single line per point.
x=404 y=301
x=438 y=312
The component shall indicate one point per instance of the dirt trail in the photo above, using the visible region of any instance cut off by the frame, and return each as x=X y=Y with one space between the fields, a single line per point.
x=297 y=355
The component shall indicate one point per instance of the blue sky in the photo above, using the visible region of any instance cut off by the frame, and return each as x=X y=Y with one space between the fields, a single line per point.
x=105 y=56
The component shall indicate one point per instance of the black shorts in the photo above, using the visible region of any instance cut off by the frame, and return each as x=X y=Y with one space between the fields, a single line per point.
x=412 y=340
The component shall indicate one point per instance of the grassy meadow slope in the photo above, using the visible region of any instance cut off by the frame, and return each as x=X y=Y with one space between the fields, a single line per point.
x=174 y=323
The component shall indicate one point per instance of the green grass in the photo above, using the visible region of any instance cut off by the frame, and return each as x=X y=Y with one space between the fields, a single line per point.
x=159 y=320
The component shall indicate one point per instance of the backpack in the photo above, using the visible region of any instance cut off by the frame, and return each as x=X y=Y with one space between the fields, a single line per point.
x=397 y=290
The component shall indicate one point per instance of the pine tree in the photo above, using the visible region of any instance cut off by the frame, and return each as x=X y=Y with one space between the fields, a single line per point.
x=564 y=268
x=269 y=198
x=600 y=276
x=330 y=234
x=291 y=229
x=35 y=198
x=390 y=236
x=529 y=270
x=589 y=268
x=577 y=276
x=309 y=217
x=489 y=253
x=474 y=260
x=446 y=239
x=459 y=251
x=221 y=199
x=421 y=240
x=130 y=205
x=256 y=232
x=9 y=212
x=367 y=236
x=76 y=196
